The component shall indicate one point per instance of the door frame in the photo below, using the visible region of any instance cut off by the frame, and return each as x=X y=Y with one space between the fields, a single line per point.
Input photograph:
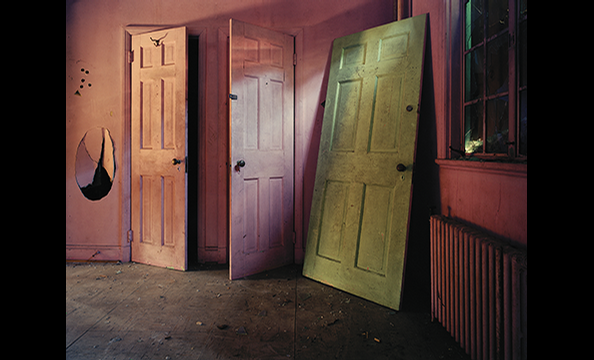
x=221 y=255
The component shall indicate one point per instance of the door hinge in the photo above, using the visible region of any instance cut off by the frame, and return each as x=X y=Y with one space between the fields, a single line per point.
x=130 y=56
x=232 y=96
x=130 y=235
x=294 y=59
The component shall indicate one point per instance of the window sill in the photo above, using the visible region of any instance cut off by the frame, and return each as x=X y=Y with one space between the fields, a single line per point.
x=492 y=167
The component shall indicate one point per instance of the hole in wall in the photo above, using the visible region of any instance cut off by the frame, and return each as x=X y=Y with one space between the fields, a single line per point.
x=82 y=80
x=95 y=163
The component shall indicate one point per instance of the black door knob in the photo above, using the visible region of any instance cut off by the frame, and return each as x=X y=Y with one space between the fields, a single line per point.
x=400 y=167
x=241 y=163
x=175 y=161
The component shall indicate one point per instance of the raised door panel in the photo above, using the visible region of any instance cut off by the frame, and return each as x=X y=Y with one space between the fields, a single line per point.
x=358 y=226
x=261 y=209
x=158 y=137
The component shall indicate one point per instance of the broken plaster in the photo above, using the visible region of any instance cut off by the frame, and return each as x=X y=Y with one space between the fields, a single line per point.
x=95 y=163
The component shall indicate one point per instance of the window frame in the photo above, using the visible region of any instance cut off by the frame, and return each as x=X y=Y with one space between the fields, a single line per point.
x=458 y=103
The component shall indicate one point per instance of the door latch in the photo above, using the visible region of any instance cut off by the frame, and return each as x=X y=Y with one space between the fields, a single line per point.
x=240 y=164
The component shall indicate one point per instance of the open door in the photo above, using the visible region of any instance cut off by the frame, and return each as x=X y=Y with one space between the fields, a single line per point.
x=159 y=148
x=261 y=149
x=358 y=226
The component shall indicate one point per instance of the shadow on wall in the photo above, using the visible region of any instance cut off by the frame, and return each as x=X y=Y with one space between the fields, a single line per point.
x=426 y=198
x=95 y=163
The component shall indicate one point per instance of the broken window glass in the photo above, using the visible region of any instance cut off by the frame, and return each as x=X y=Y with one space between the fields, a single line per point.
x=95 y=164
x=497 y=125
x=498 y=14
x=497 y=66
x=474 y=74
x=473 y=128
x=474 y=23
x=493 y=48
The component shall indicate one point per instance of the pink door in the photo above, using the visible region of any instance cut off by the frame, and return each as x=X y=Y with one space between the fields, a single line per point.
x=159 y=148
x=261 y=153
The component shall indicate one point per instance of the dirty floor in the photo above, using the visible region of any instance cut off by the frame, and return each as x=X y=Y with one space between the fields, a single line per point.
x=133 y=311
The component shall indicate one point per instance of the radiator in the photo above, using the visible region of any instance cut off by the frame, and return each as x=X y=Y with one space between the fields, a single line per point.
x=478 y=290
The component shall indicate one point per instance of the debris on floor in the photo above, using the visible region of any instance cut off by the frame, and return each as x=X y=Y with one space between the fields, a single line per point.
x=333 y=322
x=304 y=296
x=285 y=302
x=115 y=339
x=129 y=313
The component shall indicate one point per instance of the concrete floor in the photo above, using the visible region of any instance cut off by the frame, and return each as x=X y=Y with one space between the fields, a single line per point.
x=133 y=311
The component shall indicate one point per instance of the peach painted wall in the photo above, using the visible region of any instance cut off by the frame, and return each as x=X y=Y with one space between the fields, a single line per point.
x=492 y=197
x=494 y=200
x=96 y=41
x=489 y=196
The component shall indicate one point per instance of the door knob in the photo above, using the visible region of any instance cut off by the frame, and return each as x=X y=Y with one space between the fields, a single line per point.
x=241 y=163
x=400 y=167
x=176 y=161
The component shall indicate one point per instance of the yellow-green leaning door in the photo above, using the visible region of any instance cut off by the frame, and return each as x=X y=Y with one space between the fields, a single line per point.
x=358 y=227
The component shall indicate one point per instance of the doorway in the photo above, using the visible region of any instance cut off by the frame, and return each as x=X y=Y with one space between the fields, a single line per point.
x=193 y=146
x=154 y=213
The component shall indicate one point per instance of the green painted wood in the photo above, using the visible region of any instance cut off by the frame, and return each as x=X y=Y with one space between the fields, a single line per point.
x=358 y=227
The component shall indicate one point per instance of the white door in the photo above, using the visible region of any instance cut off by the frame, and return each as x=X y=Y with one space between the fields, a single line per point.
x=159 y=148
x=261 y=149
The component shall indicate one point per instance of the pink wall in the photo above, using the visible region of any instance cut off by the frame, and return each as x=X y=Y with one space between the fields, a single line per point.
x=96 y=40
x=491 y=197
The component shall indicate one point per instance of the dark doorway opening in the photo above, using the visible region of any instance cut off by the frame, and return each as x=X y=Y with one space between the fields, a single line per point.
x=192 y=161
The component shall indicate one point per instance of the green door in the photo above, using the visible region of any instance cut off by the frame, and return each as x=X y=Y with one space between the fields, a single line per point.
x=360 y=209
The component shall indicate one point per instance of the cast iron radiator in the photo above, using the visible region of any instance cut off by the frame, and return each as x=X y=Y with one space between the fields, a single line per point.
x=478 y=290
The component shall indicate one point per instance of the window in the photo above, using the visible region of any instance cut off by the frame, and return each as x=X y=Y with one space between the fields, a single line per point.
x=495 y=92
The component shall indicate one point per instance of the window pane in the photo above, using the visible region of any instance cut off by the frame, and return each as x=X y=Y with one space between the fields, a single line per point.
x=523 y=50
x=474 y=74
x=497 y=69
x=523 y=122
x=473 y=128
x=474 y=23
x=498 y=14
x=497 y=125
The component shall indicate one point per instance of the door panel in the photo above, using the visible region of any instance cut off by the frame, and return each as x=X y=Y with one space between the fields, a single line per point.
x=261 y=129
x=360 y=208
x=158 y=137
